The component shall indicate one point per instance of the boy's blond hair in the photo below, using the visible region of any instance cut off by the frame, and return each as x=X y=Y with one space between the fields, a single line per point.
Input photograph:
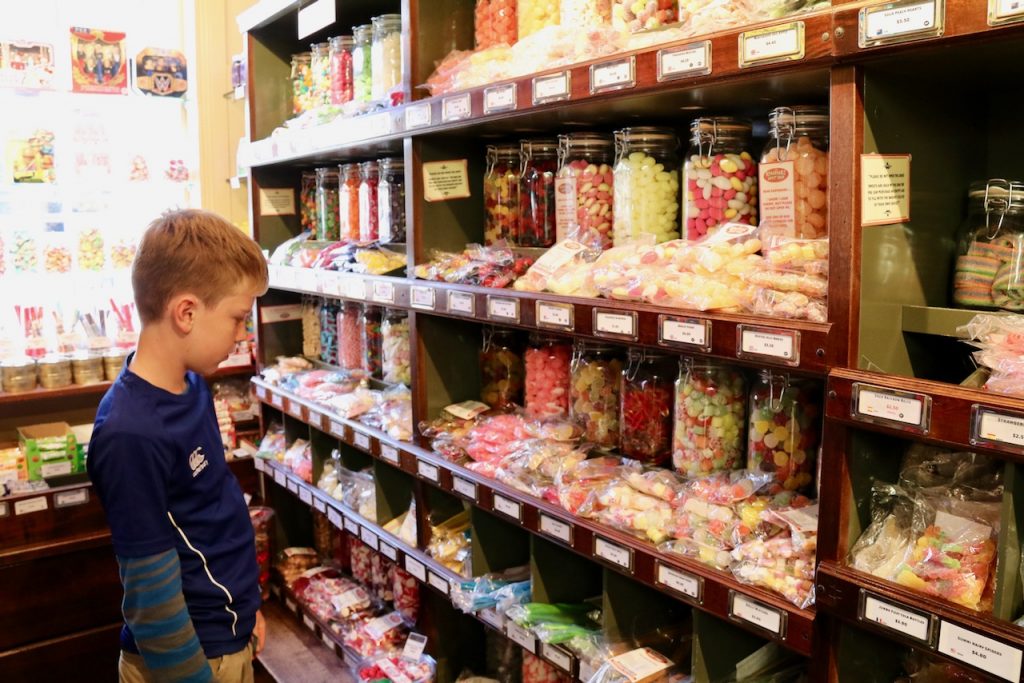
x=193 y=251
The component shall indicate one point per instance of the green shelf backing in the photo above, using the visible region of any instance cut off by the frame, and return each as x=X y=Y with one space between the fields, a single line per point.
x=497 y=545
x=562 y=576
x=718 y=646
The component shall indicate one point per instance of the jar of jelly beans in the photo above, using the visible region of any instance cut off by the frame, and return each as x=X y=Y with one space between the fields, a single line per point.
x=710 y=418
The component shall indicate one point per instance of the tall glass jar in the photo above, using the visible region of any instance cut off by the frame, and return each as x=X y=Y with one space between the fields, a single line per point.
x=501 y=193
x=320 y=65
x=494 y=23
x=547 y=361
x=350 y=335
x=362 y=64
x=646 y=190
x=302 y=83
x=391 y=201
x=645 y=413
x=989 y=271
x=633 y=16
x=348 y=201
x=710 y=418
x=326 y=204
x=341 y=69
x=386 y=54
x=307 y=201
x=502 y=373
x=583 y=189
x=793 y=175
x=785 y=427
x=372 y=340
x=537 y=193
x=395 y=347
x=370 y=178
x=585 y=13
x=533 y=15
x=719 y=176
x=594 y=392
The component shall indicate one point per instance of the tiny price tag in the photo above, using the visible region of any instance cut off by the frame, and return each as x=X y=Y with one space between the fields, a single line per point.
x=614 y=553
x=757 y=613
x=556 y=528
x=416 y=568
x=67 y=499
x=683 y=583
x=640 y=664
x=508 y=507
x=428 y=471
x=463 y=303
x=500 y=98
x=326 y=639
x=388 y=551
x=360 y=440
x=383 y=292
x=490 y=616
x=356 y=288
x=293 y=487
x=901 y=409
x=555 y=316
x=368 y=537
x=997 y=429
x=502 y=309
x=773 y=44
x=1005 y=11
x=911 y=623
x=30 y=505
x=455 y=108
x=308 y=621
x=557 y=656
x=417 y=115
x=520 y=636
x=685 y=332
x=351 y=526
x=277 y=401
x=55 y=469
x=421 y=297
x=334 y=517
x=290 y=604
x=898 y=22
x=306 y=496
x=768 y=342
x=980 y=651
x=280 y=479
x=337 y=429
x=464 y=487
x=438 y=582
x=685 y=61
x=552 y=88
x=615 y=324
x=389 y=453
x=617 y=74
x=259 y=464
x=319 y=505
x=414 y=646
x=295 y=409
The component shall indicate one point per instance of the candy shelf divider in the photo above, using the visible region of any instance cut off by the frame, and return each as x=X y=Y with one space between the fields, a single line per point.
x=40 y=394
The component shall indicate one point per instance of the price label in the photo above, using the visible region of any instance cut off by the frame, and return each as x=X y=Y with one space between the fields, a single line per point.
x=360 y=440
x=464 y=487
x=773 y=44
x=308 y=621
x=414 y=646
x=552 y=88
x=614 y=553
x=462 y=303
x=55 y=469
x=997 y=429
x=557 y=656
x=306 y=496
x=455 y=108
x=293 y=487
x=421 y=297
x=907 y=622
x=67 y=499
x=277 y=401
x=900 y=409
x=351 y=526
x=615 y=324
x=491 y=617
x=368 y=537
x=337 y=429
x=307 y=280
x=1005 y=11
x=290 y=604
x=684 y=62
x=508 y=507
x=520 y=636
x=757 y=613
x=500 y=98
x=555 y=316
x=326 y=639
x=980 y=651
x=30 y=505
x=388 y=551
x=683 y=583
x=416 y=568
x=280 y=479
x=389 y=453
x=685 y=332
x=319 y=505
x=295 y=409
x=503 y=309
x=417 y=115
x=428 y=471
x=356 y=288
x=898 y=22
x=259 y=465
x=617 y=74
x=334 y=517
x=768 y=342
x=556 y=528
x=438 y=582
x=384 y=292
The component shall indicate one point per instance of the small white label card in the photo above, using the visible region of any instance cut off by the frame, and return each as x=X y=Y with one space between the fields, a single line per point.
x=556 y=316
x=614 y=553
x=414 y=646
x=417 y=115
x=555 y=528
x=998 y=429
x=552 y=88
x=388 y=551
x=277 y=400
x=428 y=471
x=884 y=189
x=67 y=499
x=462 y=303
x=464 y=487
x=557 y=656
x=293 y=486
x=416 y=568
x=683 y=583
x=499 y=98
x=640 y=664
x=1005 y=11
x=500 y=308
x=334 y=517
x=259 y=464
x=361 y=440
x=308 y=621
x=368 y=537
x=319 y=505
x=908 y=622
x=30 y=505
x=295 y=409
x=754 y=612
x=280 y=479
x=617 y=74
x=508 y=507
x=781 y=43
x=621 y=325
x=684 y=62
x=315 y=16
x=356 y=288
x=306 y=496
x=328 y=643
x=490 y=616
x=980 y=651
x=899 y=22
x=389 y=453
x=521 y=636
x=438 y=582
x=277 y=201
x=337 y=429
x=421 y=297
x=901 y=409
x=757 y=342
x=383 y=292
x=455 y=108
x=684 y=332
x=55 y=469
x=351 y=526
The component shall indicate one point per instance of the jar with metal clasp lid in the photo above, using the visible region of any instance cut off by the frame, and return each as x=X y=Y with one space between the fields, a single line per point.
x=793 y=174
x=989 y=270
x=645 y=431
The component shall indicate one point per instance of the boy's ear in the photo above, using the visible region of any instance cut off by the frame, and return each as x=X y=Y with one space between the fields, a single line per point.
x=182 y=311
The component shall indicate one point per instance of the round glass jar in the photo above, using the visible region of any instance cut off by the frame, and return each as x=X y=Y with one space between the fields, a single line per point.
x=547 y=360
x=989 y=269
x=645 y=414
x=502 y=372
x=785 y=428
x=326 y=204
x=719 y=176
x=793 y=174
x=646 y=187
x=536 y=226
x=594 y=392
x=710 y=418
x=501 y=193
x=391 y=201
x=583 y=189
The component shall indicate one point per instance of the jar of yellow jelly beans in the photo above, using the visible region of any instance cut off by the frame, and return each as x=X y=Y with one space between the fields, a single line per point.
x=646 y=184
x=784 y=428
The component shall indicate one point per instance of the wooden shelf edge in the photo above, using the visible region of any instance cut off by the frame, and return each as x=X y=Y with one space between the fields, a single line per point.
x=40 y=394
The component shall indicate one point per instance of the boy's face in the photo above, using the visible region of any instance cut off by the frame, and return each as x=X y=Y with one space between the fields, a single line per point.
x=217 y=328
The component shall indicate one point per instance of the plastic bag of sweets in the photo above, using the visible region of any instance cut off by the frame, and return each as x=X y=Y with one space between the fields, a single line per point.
x=536 y=670
x=502 y=372
x=382 y=571
x=261 y=518
x=783 y=563
x=531 y=468
x=394 y=669
x=360 y=557
x=292 y=562
x=383 y=634
x=406 y=591
x=621 y=506
x=575 y=483
x=784 y=429
x=710 y=412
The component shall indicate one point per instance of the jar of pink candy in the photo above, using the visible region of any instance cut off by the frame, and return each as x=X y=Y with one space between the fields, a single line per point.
x=793 y=175
x=548 y=360
x=583 y=189
x=719 y=176
x=350 y=336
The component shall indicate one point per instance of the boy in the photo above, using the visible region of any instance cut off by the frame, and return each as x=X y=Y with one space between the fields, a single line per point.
x=179 y=523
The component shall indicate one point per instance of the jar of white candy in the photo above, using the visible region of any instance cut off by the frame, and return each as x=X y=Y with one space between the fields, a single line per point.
x=646 y=187
x=719 y=176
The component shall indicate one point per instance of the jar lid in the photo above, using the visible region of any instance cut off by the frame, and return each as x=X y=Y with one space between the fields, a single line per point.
x=116 y=353
x=647 y=134
x=338 y=42
x=326 y=171
x=392 y=164
x=368 y=166
x=721 y=126
x=350 y=168
x=302 y=56
x=799 y=116
x=505 y=151
x=387 y=19
x=1009 y=191
x=319 y=47
x=54 y=359
x=83 y=356
x=363 y=32
x=539 y=147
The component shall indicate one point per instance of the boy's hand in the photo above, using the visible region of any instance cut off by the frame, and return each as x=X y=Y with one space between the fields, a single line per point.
x=259 y=633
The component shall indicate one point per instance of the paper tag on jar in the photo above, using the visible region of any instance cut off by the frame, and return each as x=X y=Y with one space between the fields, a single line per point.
x=777 y=195
x=565 y=206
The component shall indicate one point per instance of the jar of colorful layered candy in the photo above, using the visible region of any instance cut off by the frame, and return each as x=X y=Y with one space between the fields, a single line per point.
x=386 y=54
x=502 y=373
x=350 y=336
x=302 y=83
x=793 y=174
x=990 y=251
x=348 y=202
x=646 y=190
x=494 y=23
x=501 y=193
x=362 y=63
x=326 y=204
x=341 y=69
x=307 y=201
x=537 y=193
x=547 y=361
x=719 y=176
x=583 y=189
x=785 y=428
x=320 y=66
x=391 y=201
x=369 y=179
x=395 y=347
x=594 y=392
x=710 y=418
x=645 y=413
x=372 y=340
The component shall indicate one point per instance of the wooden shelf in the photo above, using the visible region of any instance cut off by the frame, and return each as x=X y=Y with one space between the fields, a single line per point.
x=939 y=321
x=231 y=371
x=39 y=394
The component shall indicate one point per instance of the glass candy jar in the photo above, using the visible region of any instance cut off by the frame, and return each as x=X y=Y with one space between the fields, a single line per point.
x=386 y=54
x=990 y=250
x=785 y=428
x=372 y=340
x=533 y=15
x=369 y=179
x=320 y=66
x=710 y=417
x=501 y=193
x=307 y=201
x=362 y=63
x=341 y=69
x=719 y=176
x=537 y=193
x=391 y=201
x=594 y=392
x=350 y=336
x=348 y=201
x=302 y=83
x=494 y=23
x=502 y=373
x=793 y=174
x=547 y=361
x=583 y=189
x=645 y=411
x=646 y=189
x=326 y=204
x=395 y=347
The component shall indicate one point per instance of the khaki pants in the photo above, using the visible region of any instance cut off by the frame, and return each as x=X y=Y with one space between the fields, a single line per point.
x=233 y=668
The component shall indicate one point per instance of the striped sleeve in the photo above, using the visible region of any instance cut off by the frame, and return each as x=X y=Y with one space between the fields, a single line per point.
x=155 y=611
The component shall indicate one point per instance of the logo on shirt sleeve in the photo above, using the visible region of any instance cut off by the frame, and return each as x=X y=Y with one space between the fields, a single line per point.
x=197 y=461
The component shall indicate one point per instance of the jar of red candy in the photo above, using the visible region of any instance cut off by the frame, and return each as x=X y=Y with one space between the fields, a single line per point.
x=501 y=193
x=633 y=16
x=710 y=416
x=494 y=23
x=547 y=361
x=261 y=518
x=785 y=428
x=382 y=574
x=583 y=189
x=307 y=201
x=360 y=557
x=348 y=202
x=326 y=204
x=406 y=594
x=795 y=203
x=501 y=369
x=645 y=414
x=341 y=69
x=719 y=176
x=372 y=340
x=320 y=65
x=391 y=201
x=370 y=178
x=594 y=392
x=537 y=193
x=350 y=336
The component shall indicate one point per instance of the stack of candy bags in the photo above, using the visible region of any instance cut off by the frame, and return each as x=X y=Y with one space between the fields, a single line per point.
x=366 y=258
x=494 y=266
x=1000 y=343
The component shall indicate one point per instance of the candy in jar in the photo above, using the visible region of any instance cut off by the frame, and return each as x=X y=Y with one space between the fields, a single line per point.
x=583 y=189
x=645 y=411
x=793 y=175
x=90 y=250
x=391 y=201
x=988 y=272
x=585 y=13
x=395 y=345
x=360 y=557
x=370 y=178
x=307 y=201
x=501 y=369
x=56 y=255
x=646 y=188
x=320 y=66
x=536 y=670
x=348 y=202
x=329 y=312
x=362 y=63
x=494 y=23
x=594 y=393
x=326 y=204
x=24 y=252
x=533 y=15
x=386 y=54
x=372 y=340
x=537 y=193
x=785 y=423
x=710 y=414
x=501 y=193
x=406 y=594
x=547 y=376
x=350 y=336
x=302 y=83
x=640 y=15
x=719 y=176
x=341 y=69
